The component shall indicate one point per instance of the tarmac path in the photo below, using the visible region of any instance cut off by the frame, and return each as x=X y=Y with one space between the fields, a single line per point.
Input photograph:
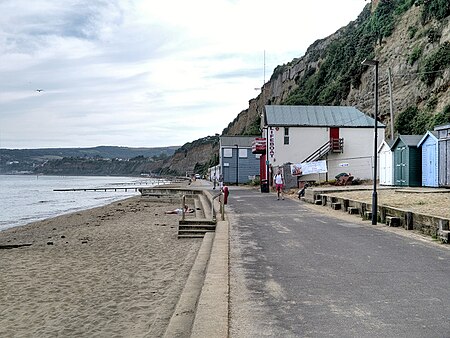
x=297 y=273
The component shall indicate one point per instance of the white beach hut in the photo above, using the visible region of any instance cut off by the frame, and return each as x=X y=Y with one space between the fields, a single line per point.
x=386 y=158
x=430 y=159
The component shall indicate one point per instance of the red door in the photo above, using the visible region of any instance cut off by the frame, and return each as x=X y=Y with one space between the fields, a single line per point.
x=334 y=138
x=334 y=133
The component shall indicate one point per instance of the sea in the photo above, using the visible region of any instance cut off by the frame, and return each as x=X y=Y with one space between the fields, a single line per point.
x=28 y=198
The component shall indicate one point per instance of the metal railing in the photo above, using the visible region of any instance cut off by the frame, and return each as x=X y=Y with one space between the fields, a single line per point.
x=333 y=145
x=213 y=211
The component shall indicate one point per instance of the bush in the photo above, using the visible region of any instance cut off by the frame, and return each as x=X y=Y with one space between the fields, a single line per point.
x=415 y=55
x=412 y=30
x=435 y=9
x=442 y=117
x=435 y=63
x=403 y=121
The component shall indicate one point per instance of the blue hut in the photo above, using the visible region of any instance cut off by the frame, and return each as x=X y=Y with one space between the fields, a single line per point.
x=430 y=159
x=407 y=161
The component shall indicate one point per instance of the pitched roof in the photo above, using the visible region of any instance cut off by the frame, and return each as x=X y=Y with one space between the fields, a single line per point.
x=433 y=134
x=318 y=116
x=387 y=143
x=409 y=140
x=241 y=141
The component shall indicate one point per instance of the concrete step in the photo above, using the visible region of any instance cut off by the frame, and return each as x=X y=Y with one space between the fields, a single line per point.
x=193 y=232
x=191 y=236
x=204 y=227
x=196 y=221
x=199 y=212
x=206 y=206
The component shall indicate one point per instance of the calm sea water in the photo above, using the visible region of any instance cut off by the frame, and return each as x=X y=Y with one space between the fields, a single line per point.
x=26 y=198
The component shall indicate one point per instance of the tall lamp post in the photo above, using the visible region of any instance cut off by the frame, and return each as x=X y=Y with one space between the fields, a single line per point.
x=237 y=164
x=368 y=62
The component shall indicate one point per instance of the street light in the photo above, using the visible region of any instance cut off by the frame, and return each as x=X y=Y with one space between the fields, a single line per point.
x=237 y=164
x=368 y=62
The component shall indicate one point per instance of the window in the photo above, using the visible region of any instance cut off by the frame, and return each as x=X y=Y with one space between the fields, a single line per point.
x=243 y=153
x=286 y=135
x=227 y=152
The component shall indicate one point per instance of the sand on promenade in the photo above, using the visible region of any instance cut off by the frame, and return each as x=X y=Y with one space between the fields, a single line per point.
x=112 y=271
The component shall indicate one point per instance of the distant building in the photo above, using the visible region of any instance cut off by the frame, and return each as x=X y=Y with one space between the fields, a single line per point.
x=342 y=136
x=237 y=163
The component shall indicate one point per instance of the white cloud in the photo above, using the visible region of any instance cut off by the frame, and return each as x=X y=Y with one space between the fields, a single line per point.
x=144 y=72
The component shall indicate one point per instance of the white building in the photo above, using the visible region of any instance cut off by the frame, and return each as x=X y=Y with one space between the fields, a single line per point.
x=343 y=136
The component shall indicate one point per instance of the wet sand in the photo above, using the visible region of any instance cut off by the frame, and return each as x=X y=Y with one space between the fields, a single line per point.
x=116 y=270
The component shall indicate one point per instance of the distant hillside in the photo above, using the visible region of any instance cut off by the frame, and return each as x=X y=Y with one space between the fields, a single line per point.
x=55 y=160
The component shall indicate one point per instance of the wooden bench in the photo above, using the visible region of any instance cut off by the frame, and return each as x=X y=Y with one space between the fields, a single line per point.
x=368 y=215
x=336 y=206
x=353 y=210
x=392 y=221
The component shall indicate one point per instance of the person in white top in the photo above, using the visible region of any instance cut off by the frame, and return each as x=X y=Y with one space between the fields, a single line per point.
x=279 y=184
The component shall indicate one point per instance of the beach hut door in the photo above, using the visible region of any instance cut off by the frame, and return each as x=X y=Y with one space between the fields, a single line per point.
x=400 y=166
x=430 y=165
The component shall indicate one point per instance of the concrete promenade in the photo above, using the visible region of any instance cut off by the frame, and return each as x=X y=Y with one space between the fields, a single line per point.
x=296 y=272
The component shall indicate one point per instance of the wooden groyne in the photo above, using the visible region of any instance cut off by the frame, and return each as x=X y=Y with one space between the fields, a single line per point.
x=101 y=189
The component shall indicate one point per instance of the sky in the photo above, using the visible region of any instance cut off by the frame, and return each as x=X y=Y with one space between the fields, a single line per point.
x=145 y=73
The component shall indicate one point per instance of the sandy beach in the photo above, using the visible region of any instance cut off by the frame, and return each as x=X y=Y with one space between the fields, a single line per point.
x=112 y=271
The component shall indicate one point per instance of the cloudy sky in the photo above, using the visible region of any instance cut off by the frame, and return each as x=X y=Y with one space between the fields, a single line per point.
x=144 y=73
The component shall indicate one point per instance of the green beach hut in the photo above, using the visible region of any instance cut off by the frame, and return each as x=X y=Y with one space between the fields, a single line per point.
x=407 y=161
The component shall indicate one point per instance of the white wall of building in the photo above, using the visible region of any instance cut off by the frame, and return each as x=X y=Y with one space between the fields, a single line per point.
x=357 y=157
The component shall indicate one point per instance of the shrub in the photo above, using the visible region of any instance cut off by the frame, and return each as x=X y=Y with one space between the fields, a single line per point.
x=412 y=30
x=415 y=55
x=435 y=9
x=403 y=121
x=442 y=117
x=435 y=63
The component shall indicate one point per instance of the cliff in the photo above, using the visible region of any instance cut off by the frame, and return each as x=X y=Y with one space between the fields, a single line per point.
x=409 y=38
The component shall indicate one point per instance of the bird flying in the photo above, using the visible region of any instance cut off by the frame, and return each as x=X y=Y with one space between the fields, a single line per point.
x=39 y=90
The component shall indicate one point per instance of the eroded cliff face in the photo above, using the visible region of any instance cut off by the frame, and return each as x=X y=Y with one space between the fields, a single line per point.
x=193 y=157
x=395 y=53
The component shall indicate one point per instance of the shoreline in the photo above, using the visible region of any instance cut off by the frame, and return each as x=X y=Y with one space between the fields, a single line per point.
x=116 y=269
x=28 y=200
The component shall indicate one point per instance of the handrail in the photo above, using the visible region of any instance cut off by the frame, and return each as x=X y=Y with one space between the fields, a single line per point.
x=330 y=145
x=183 y=207
x=318 y=153
x=213 y=211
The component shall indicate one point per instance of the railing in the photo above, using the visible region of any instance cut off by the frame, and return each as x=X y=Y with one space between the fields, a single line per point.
x=333 y=145
x=337 y=145
x=213 y=211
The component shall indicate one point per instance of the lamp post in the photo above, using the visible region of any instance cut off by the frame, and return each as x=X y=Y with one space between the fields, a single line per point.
x=368 y=62
x=237 y=164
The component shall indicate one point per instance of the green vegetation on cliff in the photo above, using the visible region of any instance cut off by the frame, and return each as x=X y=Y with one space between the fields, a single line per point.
x=340 y=63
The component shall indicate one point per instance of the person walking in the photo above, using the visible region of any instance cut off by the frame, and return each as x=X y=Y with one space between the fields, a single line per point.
x=279 y=184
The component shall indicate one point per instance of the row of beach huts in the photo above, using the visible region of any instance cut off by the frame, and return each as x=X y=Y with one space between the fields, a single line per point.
x=416 y=160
